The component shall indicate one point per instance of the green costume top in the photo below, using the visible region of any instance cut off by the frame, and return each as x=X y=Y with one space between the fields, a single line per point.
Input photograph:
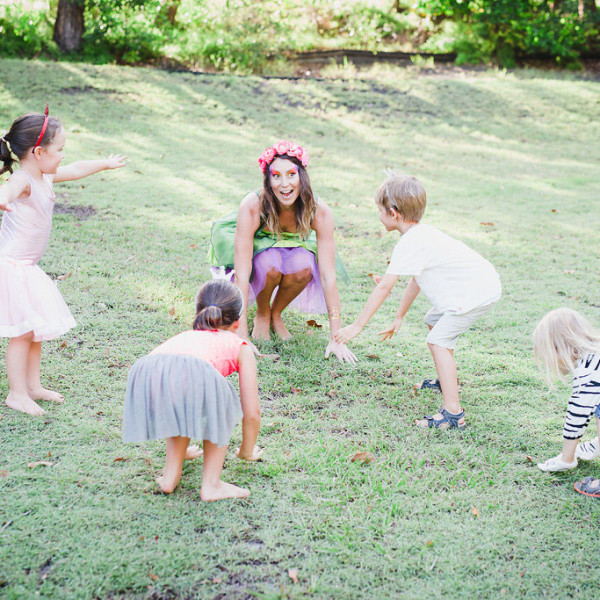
x=222 y=234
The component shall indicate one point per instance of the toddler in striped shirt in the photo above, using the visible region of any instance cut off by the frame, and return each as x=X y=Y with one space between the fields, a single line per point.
x=564 y=342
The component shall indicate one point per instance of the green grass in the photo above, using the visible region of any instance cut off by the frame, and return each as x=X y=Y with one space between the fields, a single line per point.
x=517 y=150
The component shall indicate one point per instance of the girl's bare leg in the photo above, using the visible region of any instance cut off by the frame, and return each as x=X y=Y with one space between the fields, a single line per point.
x=34 y=386
x=262 y=320
x=176 y=451
x=212 y=486
x=291 y=286
x=17 y=358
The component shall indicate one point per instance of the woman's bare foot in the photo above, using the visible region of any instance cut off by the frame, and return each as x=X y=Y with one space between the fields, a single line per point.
x=44 y=394
x=279 y=328
x=193 y=452
x=166 y=485
x=23 y=403
x=262 y=327
x=222 y=491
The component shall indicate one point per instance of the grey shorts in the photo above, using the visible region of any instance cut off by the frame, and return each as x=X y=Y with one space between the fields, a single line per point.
x=447 y=327
x=597 y=411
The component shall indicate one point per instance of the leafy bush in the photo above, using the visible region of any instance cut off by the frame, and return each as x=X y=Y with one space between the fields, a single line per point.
x=25 y=33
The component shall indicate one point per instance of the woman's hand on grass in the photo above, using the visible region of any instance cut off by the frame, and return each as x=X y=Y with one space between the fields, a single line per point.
x=341 y=352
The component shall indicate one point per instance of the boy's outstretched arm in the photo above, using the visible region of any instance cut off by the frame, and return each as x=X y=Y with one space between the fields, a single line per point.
x=85 y=168
x=410 y=293
x=378 y=295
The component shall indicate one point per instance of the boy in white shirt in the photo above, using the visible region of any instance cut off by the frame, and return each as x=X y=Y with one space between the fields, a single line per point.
x=461 y=285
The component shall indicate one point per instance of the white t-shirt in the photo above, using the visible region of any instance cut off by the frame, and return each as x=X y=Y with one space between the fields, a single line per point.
x=452 y=276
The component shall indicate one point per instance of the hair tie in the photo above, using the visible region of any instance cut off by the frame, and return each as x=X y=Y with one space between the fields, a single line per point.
x=209 y=305
x=43 y=131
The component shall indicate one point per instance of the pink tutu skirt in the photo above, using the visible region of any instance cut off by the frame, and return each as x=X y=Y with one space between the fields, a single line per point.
x=287 y=261
x=30 y=301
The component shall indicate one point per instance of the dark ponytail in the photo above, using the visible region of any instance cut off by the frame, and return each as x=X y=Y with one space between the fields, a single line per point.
x=218 y=304
x=22 y=136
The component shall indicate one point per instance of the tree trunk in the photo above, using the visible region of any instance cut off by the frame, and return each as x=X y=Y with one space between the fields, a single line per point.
x=168 y=12
x=68 y=28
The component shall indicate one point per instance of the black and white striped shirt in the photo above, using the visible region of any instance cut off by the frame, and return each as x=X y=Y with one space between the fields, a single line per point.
x=585 y=397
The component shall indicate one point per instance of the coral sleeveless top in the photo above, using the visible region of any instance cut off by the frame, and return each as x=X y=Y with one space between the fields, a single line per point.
x=219 y=348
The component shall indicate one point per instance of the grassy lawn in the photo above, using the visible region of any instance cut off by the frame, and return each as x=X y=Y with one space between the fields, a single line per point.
x=510 y=163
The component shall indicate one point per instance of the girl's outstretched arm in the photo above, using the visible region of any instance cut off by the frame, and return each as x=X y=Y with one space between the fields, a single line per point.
x=12 y=189
x=85 y=168
x=378 y=295
x=250 y=405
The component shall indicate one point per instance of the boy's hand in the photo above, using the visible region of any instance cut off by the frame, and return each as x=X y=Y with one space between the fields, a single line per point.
x=256 y=454
x=345 y=334
x=376 y=278
x=389 y=333
x=116 y=161
x=341 y=352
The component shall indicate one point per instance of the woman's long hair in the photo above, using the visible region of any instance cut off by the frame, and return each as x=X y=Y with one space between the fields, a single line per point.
x=218 y=304
x=304 y=207
x=560 y=340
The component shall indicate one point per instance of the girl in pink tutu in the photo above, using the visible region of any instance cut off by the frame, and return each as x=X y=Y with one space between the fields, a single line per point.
x=282 y=248
x=32 y=309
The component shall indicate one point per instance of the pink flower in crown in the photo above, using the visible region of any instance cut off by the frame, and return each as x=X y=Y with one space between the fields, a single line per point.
x=282 y=147
x=266 y=158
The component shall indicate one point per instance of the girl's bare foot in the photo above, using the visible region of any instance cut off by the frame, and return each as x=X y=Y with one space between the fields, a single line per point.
x=193 y=452
x=262 y=327
x=222 y=491
x=44 y=394
x=23 y=403
x=279 y=328
x=166 y=485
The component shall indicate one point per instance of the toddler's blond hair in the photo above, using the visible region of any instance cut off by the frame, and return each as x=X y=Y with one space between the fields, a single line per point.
x=402 y=193
x=560 y=339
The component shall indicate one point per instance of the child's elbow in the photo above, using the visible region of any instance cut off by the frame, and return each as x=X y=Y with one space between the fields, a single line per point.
x=252 y=417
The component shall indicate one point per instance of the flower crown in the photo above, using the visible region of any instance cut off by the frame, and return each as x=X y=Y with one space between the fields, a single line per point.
x=280 y=148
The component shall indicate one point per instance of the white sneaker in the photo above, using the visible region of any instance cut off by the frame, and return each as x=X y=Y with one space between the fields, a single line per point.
x=553 y=465
x=588 y=450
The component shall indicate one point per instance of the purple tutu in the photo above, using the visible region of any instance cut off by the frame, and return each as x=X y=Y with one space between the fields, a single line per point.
x=287 y=261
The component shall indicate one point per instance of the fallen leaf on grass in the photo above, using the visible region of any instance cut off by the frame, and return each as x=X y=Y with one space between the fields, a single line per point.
x=475 y=511
x=363 y=457
x=217 y=580
x=416 y=390
x=332 y=393
x=487 y=223
x=568 y=272
x=65 y=276
x=120 y=459
x=295 y=390
x=522 y=573
x=529 y=458
x=44 y=463
x=373 y=356
x=172 y=311
x=153 y=576
x=3 y=473
x=193 y=246
x=293 y=574
x=313 y=323
x=429 y=543
x=63 y=345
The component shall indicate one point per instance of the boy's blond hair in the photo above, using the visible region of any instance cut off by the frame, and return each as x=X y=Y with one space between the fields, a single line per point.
x=402 y=193
x=560 y=339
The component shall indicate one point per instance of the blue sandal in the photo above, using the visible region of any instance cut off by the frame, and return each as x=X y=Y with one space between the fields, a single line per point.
x=586 y=488
x=448 y=421
x=431 y=384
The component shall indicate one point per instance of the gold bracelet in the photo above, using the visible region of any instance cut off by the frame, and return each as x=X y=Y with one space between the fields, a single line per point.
x=335 y=313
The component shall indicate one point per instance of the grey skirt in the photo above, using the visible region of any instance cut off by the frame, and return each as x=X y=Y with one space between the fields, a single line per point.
x=171 y=395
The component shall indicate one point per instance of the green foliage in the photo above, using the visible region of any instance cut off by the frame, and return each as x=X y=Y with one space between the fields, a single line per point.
x=25 y=33
x=505 y=30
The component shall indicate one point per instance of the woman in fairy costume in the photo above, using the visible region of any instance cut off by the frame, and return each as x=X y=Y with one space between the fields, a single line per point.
x=282 y=248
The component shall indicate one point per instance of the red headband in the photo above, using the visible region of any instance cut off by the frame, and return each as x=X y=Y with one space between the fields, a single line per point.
x=43 y=129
